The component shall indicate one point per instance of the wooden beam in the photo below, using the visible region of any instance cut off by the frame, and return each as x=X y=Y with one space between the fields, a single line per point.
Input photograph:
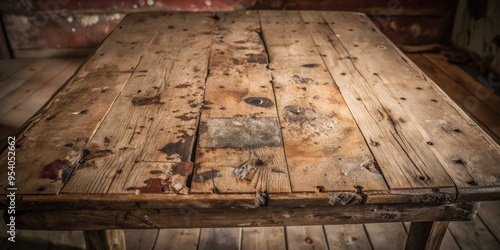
x=104 y=239
x=4 y=46
x=189 y=217
x=426 y=235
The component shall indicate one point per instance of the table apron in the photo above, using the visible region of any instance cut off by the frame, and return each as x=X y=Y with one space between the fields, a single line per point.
x=190 y=217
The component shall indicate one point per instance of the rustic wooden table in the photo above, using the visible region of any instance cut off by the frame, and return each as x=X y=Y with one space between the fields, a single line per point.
x=249 y=119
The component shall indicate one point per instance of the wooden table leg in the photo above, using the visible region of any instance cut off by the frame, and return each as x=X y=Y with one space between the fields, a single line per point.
x=104 y=239
x=426 y=235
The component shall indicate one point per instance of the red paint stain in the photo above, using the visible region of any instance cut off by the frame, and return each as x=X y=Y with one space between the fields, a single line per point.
x=153 y=185
x=183 y=168
x=53 y=170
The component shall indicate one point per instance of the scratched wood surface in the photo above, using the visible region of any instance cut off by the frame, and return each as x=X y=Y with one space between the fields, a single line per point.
x=291 y=107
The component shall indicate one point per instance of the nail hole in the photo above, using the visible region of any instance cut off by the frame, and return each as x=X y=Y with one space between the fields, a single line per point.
x=375 y=74
x=430 y=143
x=403 y=98
x=434 y=100
x=419 y=88
x=351 y=30
x=342 y=73
x=457 y=130
x=422 y=178
x=355 y=45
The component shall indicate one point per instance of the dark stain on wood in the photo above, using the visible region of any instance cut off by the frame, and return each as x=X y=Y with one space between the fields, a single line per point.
x=308 y=240
x=309 y=65
x=297 y=114
x=54 y=170
x=256 y=58
x=141 y=101
x=205 y=176
x=259 y=102
x=184 y=117
x=344 y=198
x=153 y=185
x=302 y=80
x=156 y=172
x=50 y=117
x=183 y=168
x=183 y=86
x=182 y=147
x=98 y=154
x=371 y=166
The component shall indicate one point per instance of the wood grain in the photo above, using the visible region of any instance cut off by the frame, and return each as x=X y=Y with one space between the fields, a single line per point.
x=55 y=164
x=324 y=148
x=11 y=67
x=490 y=216
x=347 y=237
x=240 y=135
x=178 y=239
x=220 y=238
x=401 y=153
x=257 y=238
x=390 y=236
x=426 y=235
x=306 y=237
x=140 y=239
x=473 y=235
x=158 y=126
x=31 y=98
x=445 y=127
x=479 y=110
x=104 y=239
x=186 y=217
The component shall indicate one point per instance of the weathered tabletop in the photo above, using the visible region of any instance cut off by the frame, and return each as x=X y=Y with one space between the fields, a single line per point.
x=249 y=118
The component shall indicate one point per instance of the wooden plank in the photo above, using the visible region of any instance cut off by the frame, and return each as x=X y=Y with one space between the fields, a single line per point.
x=71 y=239
x=12 y=82
x=462 y=78
x=162 y=102
x=489 y=213
x=448 y=243
x=240 y=135
x=140 y=239
x=178 y=239
x=28 y=239
x=381 y=239
x=401 y=153
x=486 y=116
x=441 y=126
x=305 y=237
x=426 y=235
x=220 y=238
x=32 y=85
x=73 y=122
x=186 y=217
x=11 y=67
x=33 y=98
x=4 y=46
x=347 y=237
x=104 y=239
x=324 y=149
x=257 y=238
x=473 y=235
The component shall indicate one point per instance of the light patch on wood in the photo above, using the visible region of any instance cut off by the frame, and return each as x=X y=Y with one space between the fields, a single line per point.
x=240 y=132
